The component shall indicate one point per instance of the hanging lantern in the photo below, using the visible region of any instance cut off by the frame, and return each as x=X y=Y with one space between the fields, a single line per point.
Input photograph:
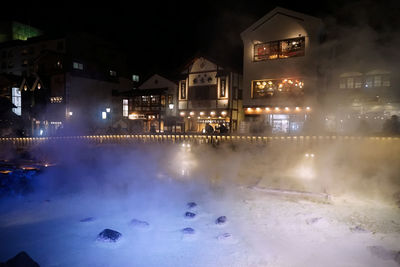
x=39 y=86
x=25 y=87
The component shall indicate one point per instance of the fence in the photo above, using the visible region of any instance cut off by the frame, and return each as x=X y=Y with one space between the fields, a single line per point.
x=189 y=138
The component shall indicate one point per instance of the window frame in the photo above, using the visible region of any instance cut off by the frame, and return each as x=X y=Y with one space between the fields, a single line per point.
x=275 y=50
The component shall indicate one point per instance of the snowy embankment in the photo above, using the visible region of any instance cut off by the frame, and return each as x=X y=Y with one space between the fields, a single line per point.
x=165 y=221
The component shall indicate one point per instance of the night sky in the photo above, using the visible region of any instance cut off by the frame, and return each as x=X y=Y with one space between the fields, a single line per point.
x=160 y=36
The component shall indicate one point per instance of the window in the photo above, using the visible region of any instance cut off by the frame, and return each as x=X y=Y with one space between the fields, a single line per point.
x=163 y=100
x=368 y=81
x=269 y=88
x=145 y=101
x=77 y=66
x=169 y=99
x=357 y=82
x=350 y=82
x=377 y=81
x=16 y=100
x=113 y=73
x=183 y=89
x=266 y=51
x=222 y=88
x=155 y=100
x=293 y=47
x=135 y=78
x=386 y=81
x=125 y=107
x=136 y=101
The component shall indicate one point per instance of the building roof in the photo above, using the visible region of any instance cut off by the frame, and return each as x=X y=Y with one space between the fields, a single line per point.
x=279 y=11
x=214 y=59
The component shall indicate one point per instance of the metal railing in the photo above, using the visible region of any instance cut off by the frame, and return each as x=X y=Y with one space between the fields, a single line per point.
x=190 y=138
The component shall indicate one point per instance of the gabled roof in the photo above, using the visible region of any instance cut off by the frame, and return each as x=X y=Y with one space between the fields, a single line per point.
x=201 y=54
x=279 y=11
x=158 y=77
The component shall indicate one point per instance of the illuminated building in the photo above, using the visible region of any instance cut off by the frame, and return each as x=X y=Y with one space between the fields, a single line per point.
x=212 y=93
x=279 y=67
x=60 y=75
x=152 y=107
x=361 y=100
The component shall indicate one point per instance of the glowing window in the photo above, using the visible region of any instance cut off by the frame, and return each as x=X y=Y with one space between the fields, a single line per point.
x=113 y=73
x=369 y=81
x=16 y=100
x=135 y=78
x=125 y=107
x=377 y=81
x=274 y=87
x=386 y=81
x=350 y=82
x=77 y=66
x=293 y=47
x=357 y=82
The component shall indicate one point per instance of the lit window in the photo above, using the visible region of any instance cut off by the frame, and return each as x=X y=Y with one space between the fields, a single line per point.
x=350 y=82
x=113 y=73
x=279 y=49
x=135 y=78
x=369 y=81
x=104 y=115
x=163 y=100
x=357 y=82
x=377 y=81
x=270 y=88
x=77 y=66
x=125 y=106
x=16 y=100
x=386 y=81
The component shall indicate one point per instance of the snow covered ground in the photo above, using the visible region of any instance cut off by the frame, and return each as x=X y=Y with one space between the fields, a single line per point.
x=74 y=201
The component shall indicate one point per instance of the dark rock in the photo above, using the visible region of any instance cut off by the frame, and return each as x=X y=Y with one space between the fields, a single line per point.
x=313 y=220
x=191 y=205
x=383 y=253
x=22 y=259
x=88 y=219
x=188 y=231
x=139 y=223
x=189 y=214
x=358 y=229
x=224 y=236
x=221 y=220
x=109 y=235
